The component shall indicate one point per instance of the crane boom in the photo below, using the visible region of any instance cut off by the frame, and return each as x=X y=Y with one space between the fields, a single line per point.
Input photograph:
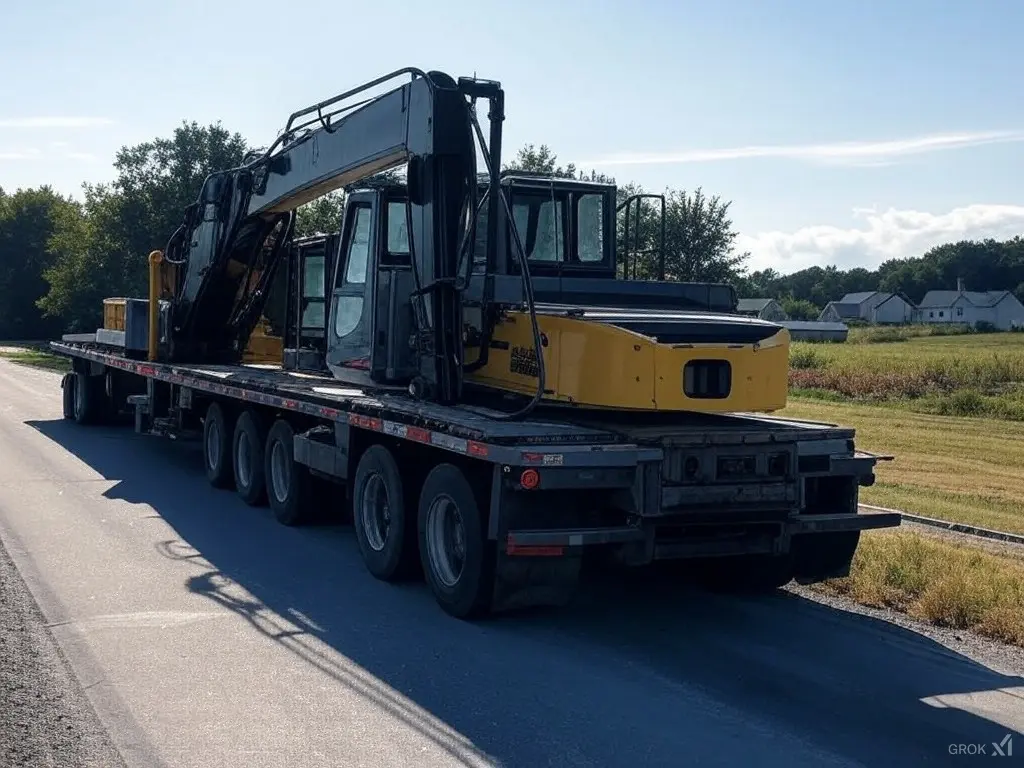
x=236 y=233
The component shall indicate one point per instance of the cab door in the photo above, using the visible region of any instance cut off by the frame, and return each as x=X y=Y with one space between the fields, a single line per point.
x=351 y=317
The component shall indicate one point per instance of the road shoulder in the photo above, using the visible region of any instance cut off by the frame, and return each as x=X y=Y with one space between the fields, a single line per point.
x=46 y=718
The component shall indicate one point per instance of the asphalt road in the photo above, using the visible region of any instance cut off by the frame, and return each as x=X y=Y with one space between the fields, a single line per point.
x=204 y=634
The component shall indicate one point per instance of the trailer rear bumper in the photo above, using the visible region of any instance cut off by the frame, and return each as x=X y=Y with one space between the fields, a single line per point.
x=556 y=541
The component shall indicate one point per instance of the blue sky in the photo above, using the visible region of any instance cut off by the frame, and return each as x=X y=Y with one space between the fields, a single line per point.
x=843 y=132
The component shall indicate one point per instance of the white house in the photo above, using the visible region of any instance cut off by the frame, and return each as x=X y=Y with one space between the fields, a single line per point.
x=869 y=306
x=766 y=309
x=998 y=308
x=894 y=309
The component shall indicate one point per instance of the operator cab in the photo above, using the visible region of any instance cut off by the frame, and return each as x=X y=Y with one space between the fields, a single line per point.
x=342 y=287
x=567 y=227
x=350 y=292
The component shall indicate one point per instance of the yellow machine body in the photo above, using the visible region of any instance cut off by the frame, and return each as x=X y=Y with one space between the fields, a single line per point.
x=264 y=347
x=600 y=365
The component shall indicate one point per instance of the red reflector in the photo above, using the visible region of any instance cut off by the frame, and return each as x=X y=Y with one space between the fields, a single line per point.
x=418 y=434
x=476 y=449
x=537 y=550
x=366 y=422
x=530 y=479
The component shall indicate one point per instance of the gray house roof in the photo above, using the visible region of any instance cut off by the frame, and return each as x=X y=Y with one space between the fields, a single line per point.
x=857 y=298
x=892 y=296
x=752 y=305
x=845 y=309
x=944 y=299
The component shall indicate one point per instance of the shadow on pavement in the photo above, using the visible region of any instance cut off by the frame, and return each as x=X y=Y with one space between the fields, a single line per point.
x=631 y=674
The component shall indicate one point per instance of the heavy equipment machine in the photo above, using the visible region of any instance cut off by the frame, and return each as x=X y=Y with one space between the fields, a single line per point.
x=462 y=358
x=507 y=282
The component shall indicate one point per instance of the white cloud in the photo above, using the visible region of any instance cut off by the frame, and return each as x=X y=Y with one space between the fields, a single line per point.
x=85 y=157
x=54 y=122
x=883 y=235
x=860 y=153
x=19 y=154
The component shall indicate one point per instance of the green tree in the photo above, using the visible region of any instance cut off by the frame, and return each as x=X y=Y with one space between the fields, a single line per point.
x=320 y=216
x=799 y=309
x=541 y=160
x=103 y=250
x=26 y=225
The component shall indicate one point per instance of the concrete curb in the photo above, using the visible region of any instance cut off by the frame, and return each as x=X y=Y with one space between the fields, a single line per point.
x=969 y=530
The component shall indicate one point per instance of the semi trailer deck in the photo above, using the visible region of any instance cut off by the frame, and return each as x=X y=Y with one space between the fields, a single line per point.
x=759 y=498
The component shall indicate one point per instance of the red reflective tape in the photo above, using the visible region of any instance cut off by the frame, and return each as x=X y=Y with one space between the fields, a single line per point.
x=147 y=370
x=366 y=422
x=329 y=413
x=533 y=457
x=474 y=448
x=535 y=550
x=418 y=434
x=290 y=404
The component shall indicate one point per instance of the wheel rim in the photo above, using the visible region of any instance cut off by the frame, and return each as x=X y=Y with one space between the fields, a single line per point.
x=242 y=461
x=375 y=512
x=446 y=540
x=279 y=477
x=213 y=444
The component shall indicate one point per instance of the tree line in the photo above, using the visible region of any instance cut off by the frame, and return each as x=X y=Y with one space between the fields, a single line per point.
x=983 y=265
x=61 y=256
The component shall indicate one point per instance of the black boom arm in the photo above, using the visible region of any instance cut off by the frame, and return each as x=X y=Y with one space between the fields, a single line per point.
x=231 y=240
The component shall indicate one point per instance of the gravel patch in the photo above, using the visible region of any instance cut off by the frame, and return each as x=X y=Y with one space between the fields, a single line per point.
x=1003 y=658
x=45 y=717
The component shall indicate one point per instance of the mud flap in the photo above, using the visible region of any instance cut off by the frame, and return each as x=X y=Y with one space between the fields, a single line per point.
x=523 y=581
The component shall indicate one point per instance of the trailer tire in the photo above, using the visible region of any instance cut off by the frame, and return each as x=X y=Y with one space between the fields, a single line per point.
x=68 y=385
x=389 y=555
x=247 y=459
x=217 y=448
x=89 y=399
x=288 y=482
x=463 y=589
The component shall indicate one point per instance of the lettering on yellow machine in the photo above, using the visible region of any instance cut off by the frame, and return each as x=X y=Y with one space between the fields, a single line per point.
x=600 y=365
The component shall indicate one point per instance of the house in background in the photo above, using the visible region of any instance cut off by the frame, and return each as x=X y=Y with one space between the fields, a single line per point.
x=1000 y=309
x=766 y=309
x=896 y=309
x=869 y=307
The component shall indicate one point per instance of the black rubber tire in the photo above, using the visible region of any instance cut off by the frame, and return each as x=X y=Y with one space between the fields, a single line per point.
x=68 y=385
x=249 y=427
x=293 y=506
x=90 y=398
x=219 y=468
x=397 y=559
x=470 y=595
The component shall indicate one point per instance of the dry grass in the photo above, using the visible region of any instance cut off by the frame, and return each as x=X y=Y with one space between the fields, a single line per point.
x=944 y=583
x=965 y=375
x=962 y=469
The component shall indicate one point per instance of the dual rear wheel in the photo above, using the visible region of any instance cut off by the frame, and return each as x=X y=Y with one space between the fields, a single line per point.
x=400 y=533
x=442 y=536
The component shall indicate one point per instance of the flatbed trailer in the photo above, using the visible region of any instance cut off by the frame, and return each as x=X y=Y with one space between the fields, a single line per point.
x=500 y=513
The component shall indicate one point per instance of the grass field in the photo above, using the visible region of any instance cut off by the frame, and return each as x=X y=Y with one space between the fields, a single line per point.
x=950 y=408
x=964 y=469
x=946 y=375
x=35 y=357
